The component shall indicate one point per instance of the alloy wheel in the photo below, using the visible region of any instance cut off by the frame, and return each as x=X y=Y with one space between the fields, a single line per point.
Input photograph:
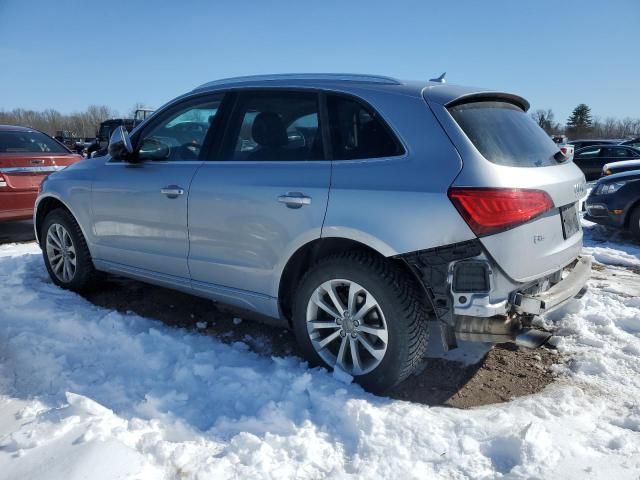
x=346 y=326
x=61 y=253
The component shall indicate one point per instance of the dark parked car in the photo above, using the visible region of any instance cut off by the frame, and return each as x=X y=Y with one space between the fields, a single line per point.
x=622 y=166
x=615 y=201
x=578 y=144
x=634 y=142
x=591 y=160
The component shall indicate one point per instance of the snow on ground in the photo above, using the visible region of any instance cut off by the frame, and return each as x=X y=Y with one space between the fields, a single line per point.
x=92 y=393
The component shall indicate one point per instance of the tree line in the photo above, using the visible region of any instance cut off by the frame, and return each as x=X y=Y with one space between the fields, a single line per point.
x=82 y=124
x=581 y=124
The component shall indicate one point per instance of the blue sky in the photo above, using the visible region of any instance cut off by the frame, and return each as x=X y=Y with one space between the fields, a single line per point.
x=68 y=54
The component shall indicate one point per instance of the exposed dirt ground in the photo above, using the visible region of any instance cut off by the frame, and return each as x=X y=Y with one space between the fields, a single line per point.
x=507 y=371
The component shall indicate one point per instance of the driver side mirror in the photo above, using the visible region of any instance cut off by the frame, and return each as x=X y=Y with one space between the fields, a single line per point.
x=120 y=144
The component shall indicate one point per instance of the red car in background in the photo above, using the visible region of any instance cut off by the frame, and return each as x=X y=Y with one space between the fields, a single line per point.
x=27 y=156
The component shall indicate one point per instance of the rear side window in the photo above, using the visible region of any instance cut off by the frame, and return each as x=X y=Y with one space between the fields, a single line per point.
x=29 y=142
x=356 y=132
x=617 y=152
x=277 y=126
x=505 y=134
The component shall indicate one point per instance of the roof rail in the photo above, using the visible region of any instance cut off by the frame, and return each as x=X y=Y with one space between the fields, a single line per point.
x=350 y=77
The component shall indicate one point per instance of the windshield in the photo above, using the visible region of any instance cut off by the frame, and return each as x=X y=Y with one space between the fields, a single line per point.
x=28 y=142
x=506 y=135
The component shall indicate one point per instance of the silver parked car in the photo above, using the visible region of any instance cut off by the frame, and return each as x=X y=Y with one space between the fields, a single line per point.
x=354 y=209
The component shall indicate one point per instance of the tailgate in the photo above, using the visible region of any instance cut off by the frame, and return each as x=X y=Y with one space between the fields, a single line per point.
x=503 y=149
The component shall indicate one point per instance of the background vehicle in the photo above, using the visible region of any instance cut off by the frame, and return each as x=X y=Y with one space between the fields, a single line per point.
x=70 y=140
x=578 y=144
x=634 y=142
x=336 y=228
x=99 y=145
x=26 y=157
x=622 y=166
x=591 y=160
x=615 y=201
x=566 y=148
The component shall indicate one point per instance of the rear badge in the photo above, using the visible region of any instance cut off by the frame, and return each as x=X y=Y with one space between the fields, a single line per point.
x=538 y=238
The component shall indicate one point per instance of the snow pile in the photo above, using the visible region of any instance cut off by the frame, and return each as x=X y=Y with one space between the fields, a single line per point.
x=91 y=393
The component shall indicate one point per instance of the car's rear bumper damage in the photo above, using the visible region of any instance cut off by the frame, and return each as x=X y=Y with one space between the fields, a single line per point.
x=474 y=300
x=571 y=286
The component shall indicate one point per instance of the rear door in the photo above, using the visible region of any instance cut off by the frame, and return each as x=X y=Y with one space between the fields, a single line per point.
x=261 y=198
x=505 y=153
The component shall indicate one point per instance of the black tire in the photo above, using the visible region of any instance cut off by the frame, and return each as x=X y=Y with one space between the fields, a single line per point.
x=398 y=296
x=634 y=221
x=85 y=276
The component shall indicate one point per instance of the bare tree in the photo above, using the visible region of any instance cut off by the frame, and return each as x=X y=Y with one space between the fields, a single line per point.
x=83 y=124
x=545 y=119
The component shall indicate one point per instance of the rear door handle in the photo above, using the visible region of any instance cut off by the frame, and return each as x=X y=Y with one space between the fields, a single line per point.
x=294 y=199
x=172 y=191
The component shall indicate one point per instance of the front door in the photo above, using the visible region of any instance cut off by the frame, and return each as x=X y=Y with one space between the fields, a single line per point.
x=140 y=208
x=263 y=197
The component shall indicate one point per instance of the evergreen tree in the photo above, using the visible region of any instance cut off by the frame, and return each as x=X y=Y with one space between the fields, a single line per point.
x=580 y=122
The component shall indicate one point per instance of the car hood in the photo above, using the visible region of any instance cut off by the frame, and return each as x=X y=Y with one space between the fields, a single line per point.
x=627 y=175
x=622 y=163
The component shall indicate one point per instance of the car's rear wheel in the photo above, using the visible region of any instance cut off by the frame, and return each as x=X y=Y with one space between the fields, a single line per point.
x=65 y=252
x=363 y=315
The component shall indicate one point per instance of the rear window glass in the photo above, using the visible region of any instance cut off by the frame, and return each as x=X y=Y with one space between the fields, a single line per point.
x=506 y=135
x=28 y=142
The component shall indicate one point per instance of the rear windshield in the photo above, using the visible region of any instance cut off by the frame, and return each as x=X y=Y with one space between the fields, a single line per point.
x=28 y=142
x=506 y=135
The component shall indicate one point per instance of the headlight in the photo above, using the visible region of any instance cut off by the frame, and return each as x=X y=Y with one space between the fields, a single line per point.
x=607 y=188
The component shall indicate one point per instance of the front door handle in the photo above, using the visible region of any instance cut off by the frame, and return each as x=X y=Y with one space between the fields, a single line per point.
x=172 y=191
x=294 y=199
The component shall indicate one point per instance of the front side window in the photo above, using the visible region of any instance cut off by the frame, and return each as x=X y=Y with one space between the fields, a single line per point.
x=277 y=126
x=356 y=132
x=181 y=135
x=29 y=142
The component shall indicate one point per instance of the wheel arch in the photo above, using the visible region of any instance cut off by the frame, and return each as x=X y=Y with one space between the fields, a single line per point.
x=312 y=252
x=48 y=204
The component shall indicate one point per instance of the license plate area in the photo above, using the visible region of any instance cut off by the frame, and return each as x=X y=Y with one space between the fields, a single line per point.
x=570 y=222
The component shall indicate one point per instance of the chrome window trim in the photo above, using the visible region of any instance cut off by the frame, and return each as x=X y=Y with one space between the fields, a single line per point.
x=112 y=162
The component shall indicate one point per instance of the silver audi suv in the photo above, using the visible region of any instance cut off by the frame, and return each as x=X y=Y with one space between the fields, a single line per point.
x=360 y=211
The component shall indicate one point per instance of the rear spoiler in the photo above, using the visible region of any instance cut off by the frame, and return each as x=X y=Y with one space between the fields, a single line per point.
x=489 y=96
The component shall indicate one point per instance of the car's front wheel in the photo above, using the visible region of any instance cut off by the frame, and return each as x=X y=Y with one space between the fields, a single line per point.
x=359 y=313
x=65 y=252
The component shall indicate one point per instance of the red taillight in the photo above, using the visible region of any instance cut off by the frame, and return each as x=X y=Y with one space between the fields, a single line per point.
x=563 y=150
x=492 y=210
